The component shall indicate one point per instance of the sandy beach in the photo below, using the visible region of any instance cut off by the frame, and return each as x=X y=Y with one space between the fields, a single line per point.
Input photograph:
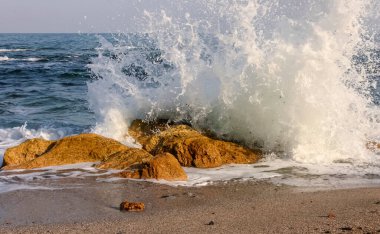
x=90 y=206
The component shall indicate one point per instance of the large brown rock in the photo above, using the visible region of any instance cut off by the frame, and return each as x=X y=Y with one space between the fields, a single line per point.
x=126 y=158
x=192 y=149
x=74 y=149
x=26 y=151
x=162 y=167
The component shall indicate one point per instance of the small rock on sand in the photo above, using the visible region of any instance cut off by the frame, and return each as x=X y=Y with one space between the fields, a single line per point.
x=132 y=206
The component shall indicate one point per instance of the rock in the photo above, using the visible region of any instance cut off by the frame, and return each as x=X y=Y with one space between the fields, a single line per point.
x=26 y=151
x=69 y=150
x=126 y=158
x=141 y=131
x=373 y=145
x=162 y=167
x=192 y=149
x=132 y=206
x=130 y=174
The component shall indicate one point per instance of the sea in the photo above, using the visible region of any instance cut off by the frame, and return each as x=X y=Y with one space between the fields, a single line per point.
x=299 y=80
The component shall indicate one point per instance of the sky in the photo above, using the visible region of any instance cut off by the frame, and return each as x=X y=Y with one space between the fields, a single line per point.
x=62 y=16
x=49 y=16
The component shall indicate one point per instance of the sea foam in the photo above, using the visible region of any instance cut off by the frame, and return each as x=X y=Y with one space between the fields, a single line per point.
x=10 y=137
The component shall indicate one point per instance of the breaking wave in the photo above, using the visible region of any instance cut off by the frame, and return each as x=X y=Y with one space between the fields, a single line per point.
x=286 y=77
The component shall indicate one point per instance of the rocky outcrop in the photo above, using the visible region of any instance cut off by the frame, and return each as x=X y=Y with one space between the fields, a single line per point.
x=132 y=206
x=68 y=150
x=162 y=167
x=173 y=146
x=192 y=149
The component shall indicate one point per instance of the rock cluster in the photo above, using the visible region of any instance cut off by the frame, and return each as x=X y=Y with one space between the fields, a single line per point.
x=164 y=150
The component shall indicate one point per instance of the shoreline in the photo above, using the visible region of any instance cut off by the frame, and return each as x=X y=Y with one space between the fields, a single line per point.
x=90 y=206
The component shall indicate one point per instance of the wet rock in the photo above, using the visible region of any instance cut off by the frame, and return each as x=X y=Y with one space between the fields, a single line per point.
x=192 y=149
x=162 y=167
x=373 y=145
x=165 y=166
x=132 y=206
x=141 y=131
x=26 y=151
x=125 y=159
x=70 y=150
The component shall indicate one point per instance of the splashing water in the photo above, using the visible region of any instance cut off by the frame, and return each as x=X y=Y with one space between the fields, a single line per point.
x=270 y=74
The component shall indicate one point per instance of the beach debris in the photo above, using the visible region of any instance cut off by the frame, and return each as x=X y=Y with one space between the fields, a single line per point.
x=210 y=223
x=346 y=228
x=331 y=215
x=189 y=194
x=190 y=147
x=132 y=206
x=170 y=197
x=163 y=166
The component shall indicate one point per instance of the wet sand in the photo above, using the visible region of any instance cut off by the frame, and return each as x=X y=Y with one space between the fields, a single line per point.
x=89 y=206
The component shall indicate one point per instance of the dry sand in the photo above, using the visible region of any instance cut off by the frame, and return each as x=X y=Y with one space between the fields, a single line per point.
x=88 y=206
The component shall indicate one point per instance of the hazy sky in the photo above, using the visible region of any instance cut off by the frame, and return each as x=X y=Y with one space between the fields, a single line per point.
x=73 y=15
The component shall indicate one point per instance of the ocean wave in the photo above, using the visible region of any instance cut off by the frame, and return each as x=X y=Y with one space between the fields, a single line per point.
x=32 y=59
x=5 y=58
x=12 y=50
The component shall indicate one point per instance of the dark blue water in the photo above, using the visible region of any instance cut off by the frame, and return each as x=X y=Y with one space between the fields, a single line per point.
x=43 y=80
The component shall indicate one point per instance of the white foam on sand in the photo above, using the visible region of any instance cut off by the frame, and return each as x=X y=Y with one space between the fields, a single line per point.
x=277 y=171
x=19 y=179
x=284 y=171
x=287 y=172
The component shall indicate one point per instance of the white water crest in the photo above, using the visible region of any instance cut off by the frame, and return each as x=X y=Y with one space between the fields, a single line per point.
x=277 y=75
x=10 y=137
x=11 y=50
x=6 y=58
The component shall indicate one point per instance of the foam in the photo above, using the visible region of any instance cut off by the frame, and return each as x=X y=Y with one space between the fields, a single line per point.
x=21 y=179
x=13 y=136
x=32 y=59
